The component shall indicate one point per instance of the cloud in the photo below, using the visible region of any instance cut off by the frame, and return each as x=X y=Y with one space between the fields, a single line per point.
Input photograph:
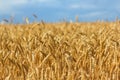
x=94 y=14
x=81 y=6
x=8 y=6
x=46 y=1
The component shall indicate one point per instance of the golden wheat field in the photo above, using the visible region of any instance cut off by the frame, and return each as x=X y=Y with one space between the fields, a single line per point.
x=60 y=51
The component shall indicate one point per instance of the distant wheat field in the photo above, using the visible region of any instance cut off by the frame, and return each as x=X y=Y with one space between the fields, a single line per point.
x=60 y=51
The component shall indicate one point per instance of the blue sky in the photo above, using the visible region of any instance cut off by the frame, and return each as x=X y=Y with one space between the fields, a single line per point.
x=57 y=10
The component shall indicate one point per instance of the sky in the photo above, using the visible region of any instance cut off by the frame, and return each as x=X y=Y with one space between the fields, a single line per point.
x=59 y=10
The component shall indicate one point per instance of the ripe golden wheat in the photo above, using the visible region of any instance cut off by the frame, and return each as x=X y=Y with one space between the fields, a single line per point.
x=60 y=51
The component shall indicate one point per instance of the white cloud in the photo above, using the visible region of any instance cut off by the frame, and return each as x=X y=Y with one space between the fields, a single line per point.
x=8 y=6
x=11 y=5
x=94 y=14
x=46 y=1
x=81 y=6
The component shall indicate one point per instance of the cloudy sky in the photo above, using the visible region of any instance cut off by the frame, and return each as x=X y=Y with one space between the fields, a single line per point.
x=57 y=10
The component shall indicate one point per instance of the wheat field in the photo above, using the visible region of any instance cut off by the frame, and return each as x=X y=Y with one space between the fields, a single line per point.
x=60 y=51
